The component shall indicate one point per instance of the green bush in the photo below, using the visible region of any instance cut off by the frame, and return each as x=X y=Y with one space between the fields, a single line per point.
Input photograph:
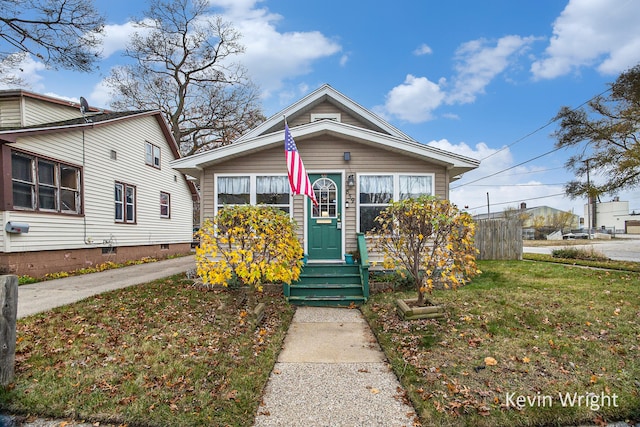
x=578 y=253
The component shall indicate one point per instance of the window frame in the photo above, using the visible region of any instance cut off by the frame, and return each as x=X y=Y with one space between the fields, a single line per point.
x=152 y=155
x=37 y=186
x=253 y=177
x=167 y=205
x=125 y=204
x=395 y=194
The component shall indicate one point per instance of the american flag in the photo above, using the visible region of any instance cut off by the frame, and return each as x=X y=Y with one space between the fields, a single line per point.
x=298 y=178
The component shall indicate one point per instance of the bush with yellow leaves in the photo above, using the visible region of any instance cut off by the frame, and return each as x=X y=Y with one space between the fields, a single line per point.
x=251 y=244
x=428 y=239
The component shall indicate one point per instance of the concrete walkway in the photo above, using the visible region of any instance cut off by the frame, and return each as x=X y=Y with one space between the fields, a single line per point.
x=332 y=372
x=42 y=296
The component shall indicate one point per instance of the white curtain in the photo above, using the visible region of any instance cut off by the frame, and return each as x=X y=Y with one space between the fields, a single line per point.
x=376 y=188
x=272 y=185
x=414 y=186
x=233 y=185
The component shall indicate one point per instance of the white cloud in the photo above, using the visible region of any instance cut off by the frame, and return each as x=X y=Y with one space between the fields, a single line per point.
x=423 y=49
x=415 y=99
x=26 y=70
x=272 y=57
x=509 y=189
x=116 y=37
x=478 y=63
x=601 y=33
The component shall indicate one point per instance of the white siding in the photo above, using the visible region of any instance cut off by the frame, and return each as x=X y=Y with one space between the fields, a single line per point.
x=3 y=234
x=127 y=138
x=10 y=113
x=37 y=112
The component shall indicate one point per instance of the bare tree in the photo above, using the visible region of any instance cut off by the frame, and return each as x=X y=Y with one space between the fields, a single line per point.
x=61 y=33
x=183 y=65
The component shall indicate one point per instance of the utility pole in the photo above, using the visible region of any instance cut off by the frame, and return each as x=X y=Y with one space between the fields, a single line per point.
x=590 y=213
x=488 y=209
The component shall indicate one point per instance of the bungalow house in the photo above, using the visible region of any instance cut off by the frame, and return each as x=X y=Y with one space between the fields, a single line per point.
x=82 y=186
x=357 y=163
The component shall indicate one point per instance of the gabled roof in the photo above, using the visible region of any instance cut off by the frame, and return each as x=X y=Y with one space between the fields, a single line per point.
x=270 y=134
x=324 y=94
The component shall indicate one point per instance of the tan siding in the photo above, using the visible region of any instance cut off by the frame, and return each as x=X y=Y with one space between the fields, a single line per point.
x=10 y=113
x=323 y=154
x=325 y=108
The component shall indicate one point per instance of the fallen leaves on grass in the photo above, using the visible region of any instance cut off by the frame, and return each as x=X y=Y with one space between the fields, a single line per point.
x=490 y=361
x=160 y=347
x=532 y=342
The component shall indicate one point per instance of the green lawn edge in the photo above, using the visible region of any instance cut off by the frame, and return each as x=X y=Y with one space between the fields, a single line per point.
x=611 y=264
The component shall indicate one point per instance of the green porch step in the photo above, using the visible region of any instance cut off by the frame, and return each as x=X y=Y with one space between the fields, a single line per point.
x=327 y=285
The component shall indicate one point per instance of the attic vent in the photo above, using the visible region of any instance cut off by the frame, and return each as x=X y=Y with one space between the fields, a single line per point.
x=114 y=155
x=320 y=116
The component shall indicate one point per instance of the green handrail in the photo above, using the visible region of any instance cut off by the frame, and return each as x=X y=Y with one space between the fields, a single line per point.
x=364 y=264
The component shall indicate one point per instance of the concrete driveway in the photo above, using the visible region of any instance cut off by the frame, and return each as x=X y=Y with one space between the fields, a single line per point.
x=621 y=248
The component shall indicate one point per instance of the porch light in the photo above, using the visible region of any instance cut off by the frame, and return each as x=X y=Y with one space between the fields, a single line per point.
x=351 y=180
x=347 y=156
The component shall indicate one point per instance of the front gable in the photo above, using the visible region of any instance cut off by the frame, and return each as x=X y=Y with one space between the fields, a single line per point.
x=324 y=101
x=326 y=112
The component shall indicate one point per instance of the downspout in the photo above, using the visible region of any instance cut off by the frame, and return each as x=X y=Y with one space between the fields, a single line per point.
x=84 y=213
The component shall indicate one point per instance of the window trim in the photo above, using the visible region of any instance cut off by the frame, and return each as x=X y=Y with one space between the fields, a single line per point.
x=58 y=188
x=168 y=205
x=125 y=219
x=252 y=190
x=396 y=189
x=154 y=150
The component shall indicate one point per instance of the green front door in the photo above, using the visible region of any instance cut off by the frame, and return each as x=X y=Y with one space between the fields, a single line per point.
x=324 y=231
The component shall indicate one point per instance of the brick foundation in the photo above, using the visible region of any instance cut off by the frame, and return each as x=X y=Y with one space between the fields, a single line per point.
x=37 y=264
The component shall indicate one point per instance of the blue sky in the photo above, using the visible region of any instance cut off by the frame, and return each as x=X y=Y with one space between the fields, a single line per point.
x=482 y=79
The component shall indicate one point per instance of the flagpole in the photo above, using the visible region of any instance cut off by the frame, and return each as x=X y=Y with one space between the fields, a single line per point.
x=298 y=177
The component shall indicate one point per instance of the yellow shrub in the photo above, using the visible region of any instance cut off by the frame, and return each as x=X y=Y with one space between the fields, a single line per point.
x=253 y=244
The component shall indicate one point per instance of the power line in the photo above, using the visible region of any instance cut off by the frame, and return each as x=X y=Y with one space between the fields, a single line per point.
x=524 y=137
x=516 y=185
x=544 y=126
x=509 y=168
x=521 y=200
x=535 y=172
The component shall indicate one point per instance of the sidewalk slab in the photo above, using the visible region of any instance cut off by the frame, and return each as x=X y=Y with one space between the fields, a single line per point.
x=332 y=372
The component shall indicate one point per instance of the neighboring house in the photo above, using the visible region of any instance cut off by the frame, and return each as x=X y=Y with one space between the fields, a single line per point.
x=80 y=188
x=356 y=161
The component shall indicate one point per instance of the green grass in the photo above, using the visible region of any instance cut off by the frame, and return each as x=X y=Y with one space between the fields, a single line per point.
x=551 y=328
x=158 y=354
x=610 y=264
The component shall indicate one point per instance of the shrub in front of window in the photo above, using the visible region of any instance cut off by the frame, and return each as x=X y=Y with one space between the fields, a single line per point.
x=428 y=239
x=251 y=244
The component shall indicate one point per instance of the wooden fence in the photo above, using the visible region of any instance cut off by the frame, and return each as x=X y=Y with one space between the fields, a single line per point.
x=499 y=239
x=8 y=319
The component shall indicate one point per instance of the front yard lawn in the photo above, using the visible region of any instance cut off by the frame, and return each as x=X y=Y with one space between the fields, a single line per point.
x=158 y=354
x=525 y=344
